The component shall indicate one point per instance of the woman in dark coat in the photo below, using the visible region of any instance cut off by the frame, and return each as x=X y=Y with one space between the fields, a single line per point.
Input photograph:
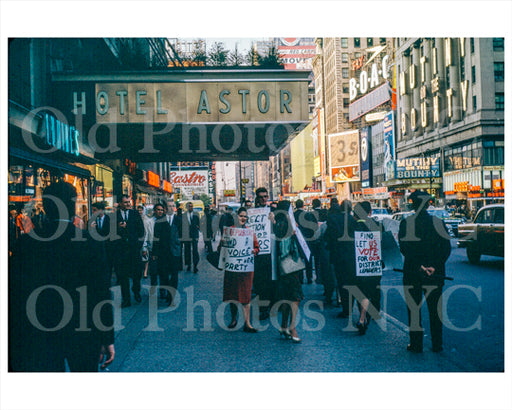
x=290 y=287
x=238 y=285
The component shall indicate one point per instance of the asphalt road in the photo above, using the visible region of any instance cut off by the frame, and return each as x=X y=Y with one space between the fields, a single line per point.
x=192 y=335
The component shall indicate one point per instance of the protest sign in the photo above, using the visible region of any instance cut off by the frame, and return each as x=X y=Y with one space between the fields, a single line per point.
x=237 y=250
x=300 y=238
x=368 y=253
x=258 y=221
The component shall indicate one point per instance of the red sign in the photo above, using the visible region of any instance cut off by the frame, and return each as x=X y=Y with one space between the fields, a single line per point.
x=187 y=178
x=153 y=179
x=167 y=187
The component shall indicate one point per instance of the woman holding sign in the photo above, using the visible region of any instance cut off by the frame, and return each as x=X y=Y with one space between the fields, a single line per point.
x=238 y=284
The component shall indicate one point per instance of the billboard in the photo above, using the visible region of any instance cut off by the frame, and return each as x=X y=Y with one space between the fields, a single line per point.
x=296 y=53
x=418 y=167
x=366 y=157
x=389 y=143
x=344 y=156
x=190 y=182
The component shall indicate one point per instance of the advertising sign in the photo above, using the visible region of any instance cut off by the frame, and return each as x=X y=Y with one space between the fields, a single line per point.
x=297 y=53
x=370 y=101
x=389 y=143
x=258 y=221
x=368 y=253
x=237 y=250
x=344 y=156
x=366 y=157
x=190 y=182
x=418 y=167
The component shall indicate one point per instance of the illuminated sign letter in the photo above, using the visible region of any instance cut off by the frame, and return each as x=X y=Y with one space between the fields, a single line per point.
x=435 y=85
x=139 y=102
x=436 y=109
x=352 y=88
x=464 y=94
x=412 y=76
x=413 y=119
x=102 y=103
x=422 y=65
x=434 y=61
x=363 y=82
x=424 y=114
x=449 y=94
x=423 y=92
x=77 y=103
x=404 y=124
x=385 y=73
x=448 y=52
x=374 y=77
x=462 y=42
x=402 y=83
x=122 y=94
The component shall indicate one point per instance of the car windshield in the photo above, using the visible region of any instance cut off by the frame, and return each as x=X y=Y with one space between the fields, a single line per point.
x=440 y=213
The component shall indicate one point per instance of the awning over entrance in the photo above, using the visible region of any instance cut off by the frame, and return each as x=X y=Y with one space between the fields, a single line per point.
x=185 y=115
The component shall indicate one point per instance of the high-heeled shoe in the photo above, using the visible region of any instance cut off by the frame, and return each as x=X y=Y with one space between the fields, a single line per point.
x=248 y=329
x=232 y=325
x=285 y=333
x=362 y=327
x=296 y=339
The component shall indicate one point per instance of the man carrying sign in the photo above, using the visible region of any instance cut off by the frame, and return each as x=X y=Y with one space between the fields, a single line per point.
x=239 y=247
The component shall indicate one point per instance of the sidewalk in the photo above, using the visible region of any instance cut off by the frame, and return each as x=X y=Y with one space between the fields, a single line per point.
x=200 y=345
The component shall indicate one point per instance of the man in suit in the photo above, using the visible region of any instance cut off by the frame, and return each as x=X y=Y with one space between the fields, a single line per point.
x=55 y=286
x=126 y=248
x=190 y=237
x=100 y=233
x=425 y=244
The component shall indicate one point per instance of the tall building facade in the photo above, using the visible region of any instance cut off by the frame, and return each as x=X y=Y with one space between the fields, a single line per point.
x=451 y=118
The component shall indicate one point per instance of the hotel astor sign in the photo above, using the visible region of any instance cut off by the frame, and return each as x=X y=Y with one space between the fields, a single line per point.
x=196 y=102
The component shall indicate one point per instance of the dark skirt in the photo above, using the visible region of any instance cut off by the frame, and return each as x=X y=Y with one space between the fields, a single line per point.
x=290 y=287
x=237 y=286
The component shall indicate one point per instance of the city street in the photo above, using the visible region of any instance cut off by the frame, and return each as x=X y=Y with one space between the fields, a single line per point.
x=182 y=341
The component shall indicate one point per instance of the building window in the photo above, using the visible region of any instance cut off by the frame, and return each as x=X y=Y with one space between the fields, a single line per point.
x=473 y=74
x=345 y=88
x=474 y=103
x=357 y=42
x=344 y=72
x=499 y=71
x=447 y=77
x=369 y=42
x=472 y=44
x=498 y=44
x=499 y=98
x=344 y=42
x=344 y=57
x=346 y=102
x=382 y=40
x=462 y=69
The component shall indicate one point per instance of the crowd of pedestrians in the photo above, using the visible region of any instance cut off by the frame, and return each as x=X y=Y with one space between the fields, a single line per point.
x=50 y=263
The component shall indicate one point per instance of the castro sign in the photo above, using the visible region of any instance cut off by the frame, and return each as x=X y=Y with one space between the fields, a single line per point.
x=190 y=183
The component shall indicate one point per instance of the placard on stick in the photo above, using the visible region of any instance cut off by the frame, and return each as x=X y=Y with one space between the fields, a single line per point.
x=237 y=250
x=259 y=222
x=368 y=253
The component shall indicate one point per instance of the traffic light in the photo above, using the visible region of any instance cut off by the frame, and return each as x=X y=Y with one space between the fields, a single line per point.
x=243 y=191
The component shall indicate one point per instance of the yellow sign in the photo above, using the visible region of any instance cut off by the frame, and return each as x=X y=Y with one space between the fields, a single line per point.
x=229 y=192
x=317 y=170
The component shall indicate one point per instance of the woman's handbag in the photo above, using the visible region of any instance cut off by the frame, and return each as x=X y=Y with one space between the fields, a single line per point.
x=213 y=258
x=291 y=262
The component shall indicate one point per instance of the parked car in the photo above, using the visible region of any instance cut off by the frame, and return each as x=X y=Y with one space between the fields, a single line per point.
x=380 y=213
x=485 y=235
x=451 y=222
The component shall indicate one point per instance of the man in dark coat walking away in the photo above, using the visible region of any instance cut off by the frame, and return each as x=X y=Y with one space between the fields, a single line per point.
x=127 y=256
x=425 y=244
x=56 y=291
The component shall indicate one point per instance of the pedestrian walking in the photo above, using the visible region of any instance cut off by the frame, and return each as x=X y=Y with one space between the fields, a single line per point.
x=190 y=237
x=425 y=244
x=238 y=285
x=146 y=221
x=340 y=224
x=307 y=225
x=127 y=250
x=99 y=230
x=290 y=268
x=55 y=288
x=265 y=286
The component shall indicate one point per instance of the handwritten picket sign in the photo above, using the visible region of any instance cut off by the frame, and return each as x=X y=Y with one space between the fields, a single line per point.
x=258 y=221
x=300 y=238
x=237 y=250
x=368 y=253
